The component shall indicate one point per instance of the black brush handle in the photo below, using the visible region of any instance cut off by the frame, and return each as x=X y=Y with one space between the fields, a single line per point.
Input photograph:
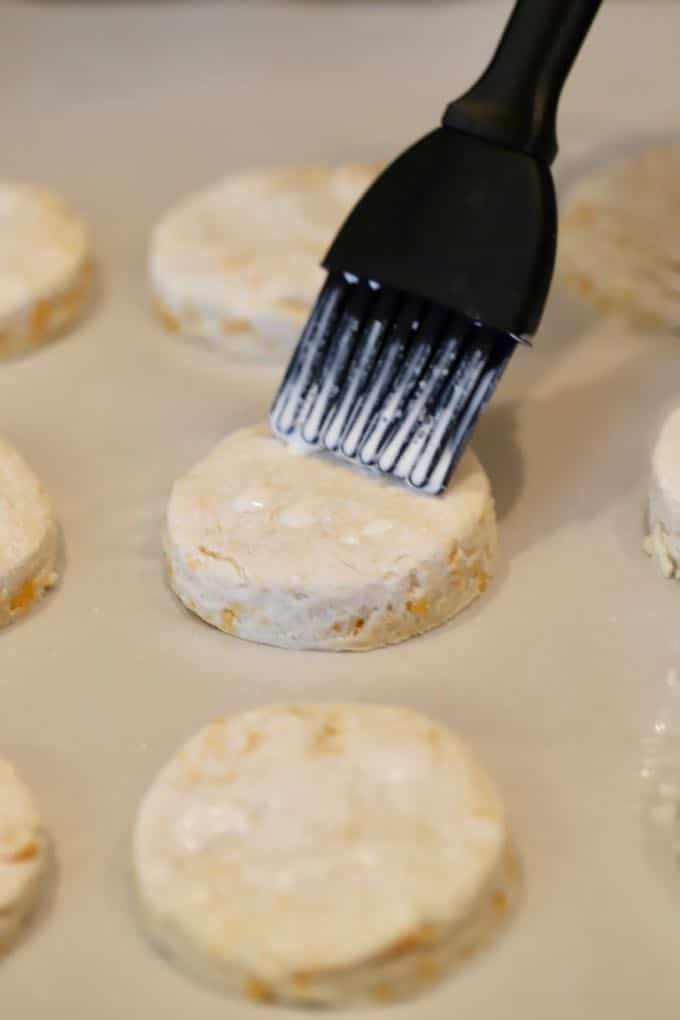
x=514 y=103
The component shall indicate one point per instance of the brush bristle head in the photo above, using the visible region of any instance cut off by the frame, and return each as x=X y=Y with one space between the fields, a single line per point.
x=390 y=382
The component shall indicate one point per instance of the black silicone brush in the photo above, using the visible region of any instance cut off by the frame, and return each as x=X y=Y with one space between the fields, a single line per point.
x=441 y=269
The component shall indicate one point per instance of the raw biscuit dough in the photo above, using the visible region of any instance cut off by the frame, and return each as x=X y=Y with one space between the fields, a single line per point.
x=301 y=551
x=322 y=854
x=46 y=267
x=238 y=265
x=619 y=242
x=663 y=541
x=22 y=854
x=28 y=536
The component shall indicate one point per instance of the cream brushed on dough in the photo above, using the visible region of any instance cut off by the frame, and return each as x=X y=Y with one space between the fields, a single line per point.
x=304 y=552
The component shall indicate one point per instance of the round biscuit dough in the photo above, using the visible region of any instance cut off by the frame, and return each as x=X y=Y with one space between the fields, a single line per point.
x=322 y=854
x=619 y=242
x=23 y=854
x=663 y=541
x=301 y=551
x=46 y=267
x=28 y=536
x=238 y=265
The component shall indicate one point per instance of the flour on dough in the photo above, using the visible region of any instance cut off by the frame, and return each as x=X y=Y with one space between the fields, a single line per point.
x=23 y=854
x=46 y=266
x=28 y=536
x=322 y=854
x=238 y=266
x=619 y=242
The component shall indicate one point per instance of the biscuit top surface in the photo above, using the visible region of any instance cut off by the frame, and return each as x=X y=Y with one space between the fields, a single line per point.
x=310 y=836
x=257 y=238
x=25 y=514
x=41 y=243
x=267 y=513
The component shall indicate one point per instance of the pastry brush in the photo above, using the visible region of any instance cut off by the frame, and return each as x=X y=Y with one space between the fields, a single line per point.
x=440 y=270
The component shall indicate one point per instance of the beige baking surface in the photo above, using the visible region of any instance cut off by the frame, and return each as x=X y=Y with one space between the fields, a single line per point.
x=552 y=676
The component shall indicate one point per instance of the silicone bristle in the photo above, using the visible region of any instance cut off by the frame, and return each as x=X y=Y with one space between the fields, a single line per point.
x=388 y=382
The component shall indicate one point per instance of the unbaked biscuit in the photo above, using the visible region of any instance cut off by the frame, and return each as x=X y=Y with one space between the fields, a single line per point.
x=322 y=854
x=23 y=854
x=46 y=267
x=238 y=265
x=663 y=541
x=619 y=242
x=301 y=551
x=28 y=536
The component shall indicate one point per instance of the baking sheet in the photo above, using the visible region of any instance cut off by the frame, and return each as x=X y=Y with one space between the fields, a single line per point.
x=554 y=676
